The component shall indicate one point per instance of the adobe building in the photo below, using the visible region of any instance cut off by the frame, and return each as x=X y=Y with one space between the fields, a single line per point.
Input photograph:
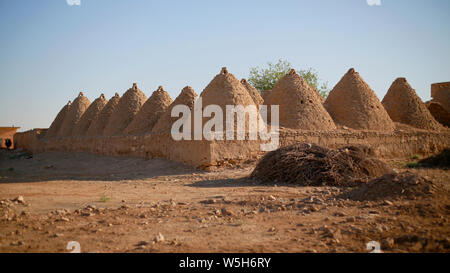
x=440 y=92
x=7 y=133
x=376 y=130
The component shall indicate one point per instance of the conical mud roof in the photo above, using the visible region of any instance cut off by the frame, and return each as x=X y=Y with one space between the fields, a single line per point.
x=98 y=125
x=90 y=115
x=150 y=112
x=225 y=89
x=404 y=106
x=354 y=104
x=187 y=97
x=129 y=105
x=254 y=93
x=57 y=123
x=77 y=109
x=300 y=105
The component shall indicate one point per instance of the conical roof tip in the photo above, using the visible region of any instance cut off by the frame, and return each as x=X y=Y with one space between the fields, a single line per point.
x=81 y=94
x=116 y=95
x=135 y=86
x=224 y=70
x=160 y=88
x=69 y=102
x=188 y=89
x=225 y=89
x=244 y=80
x=351 y=70
x=292 y=72
x=401 y=81
x=102 y=95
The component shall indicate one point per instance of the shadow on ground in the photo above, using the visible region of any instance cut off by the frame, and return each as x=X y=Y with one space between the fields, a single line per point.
x=237 y=182
x=84 y=166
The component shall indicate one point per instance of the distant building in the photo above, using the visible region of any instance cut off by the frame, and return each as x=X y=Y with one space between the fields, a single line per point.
x=440 y=92
x=5 y=134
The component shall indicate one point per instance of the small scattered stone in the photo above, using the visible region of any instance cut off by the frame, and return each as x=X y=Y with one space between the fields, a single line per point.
x=387 y=243
x=17 y=243
x=227 y=212
x=158 y=238
x=339 y=214
x=19 y=199
x=209 y=201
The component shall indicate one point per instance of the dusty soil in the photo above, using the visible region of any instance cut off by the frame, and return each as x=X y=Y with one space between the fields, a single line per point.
x=119 y=204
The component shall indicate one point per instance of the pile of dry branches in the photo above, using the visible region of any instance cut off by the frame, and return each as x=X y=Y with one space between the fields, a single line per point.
x=307 y=164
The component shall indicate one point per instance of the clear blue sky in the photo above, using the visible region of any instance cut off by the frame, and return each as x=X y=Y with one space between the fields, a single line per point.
x=49 y=51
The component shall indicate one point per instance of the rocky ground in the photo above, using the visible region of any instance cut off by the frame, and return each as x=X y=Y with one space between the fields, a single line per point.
x=119 y=204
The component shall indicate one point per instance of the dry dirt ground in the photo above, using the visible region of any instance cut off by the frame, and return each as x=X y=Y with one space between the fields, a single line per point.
x=119 y=204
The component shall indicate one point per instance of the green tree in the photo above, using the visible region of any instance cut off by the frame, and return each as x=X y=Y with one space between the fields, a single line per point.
x=265 y=78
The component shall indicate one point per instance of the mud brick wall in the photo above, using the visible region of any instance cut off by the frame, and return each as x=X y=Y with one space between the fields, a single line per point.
x=440 y=92
x=387 y=145
x=194 y=153
x=206 y=153
x=31 y=140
